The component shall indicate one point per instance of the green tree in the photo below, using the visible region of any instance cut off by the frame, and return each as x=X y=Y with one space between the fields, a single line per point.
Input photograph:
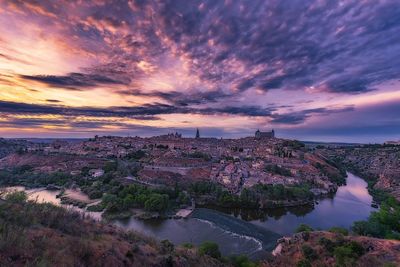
x=157 y=202
x=110 y=166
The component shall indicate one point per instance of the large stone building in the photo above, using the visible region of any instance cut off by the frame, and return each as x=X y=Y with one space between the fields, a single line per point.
x=260 y=134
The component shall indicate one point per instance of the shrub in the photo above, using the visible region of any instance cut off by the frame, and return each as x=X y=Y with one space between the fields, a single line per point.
x=188 y=245
x=370 y=228
x=95 y=208
x=348 y=253
x=339 y=230
x=110 y=166
x=309 y=253
x=17 y=197
x=242 y=261
x=343 y=255
x=356 y=248
x=167 y=246
x=328 y=244
x=304 y=263
x=211 y=249
x=304 y=228
x=275 y=169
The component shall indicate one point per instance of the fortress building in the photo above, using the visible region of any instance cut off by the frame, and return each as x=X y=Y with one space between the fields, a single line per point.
x=260 y=135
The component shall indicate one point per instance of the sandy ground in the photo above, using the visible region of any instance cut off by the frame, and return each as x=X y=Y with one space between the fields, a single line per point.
x=184 y=213
x=79 y=196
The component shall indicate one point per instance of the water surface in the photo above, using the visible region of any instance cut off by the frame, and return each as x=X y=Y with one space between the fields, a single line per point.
x=351 y=203
x=251 y=232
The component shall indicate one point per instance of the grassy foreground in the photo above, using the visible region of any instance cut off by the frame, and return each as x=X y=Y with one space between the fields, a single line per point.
x=33 y=234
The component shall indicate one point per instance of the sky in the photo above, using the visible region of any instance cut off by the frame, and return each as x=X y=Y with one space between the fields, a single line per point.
x=319 y=70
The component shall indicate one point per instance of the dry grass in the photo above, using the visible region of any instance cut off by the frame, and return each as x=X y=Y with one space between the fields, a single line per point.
x=33 y=234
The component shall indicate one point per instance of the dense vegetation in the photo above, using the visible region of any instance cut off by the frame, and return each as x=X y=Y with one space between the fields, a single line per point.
x=346 y=253
x=275 y=169
x=138 y=196
x=25 y=176
x=384 y=223
x=198 y=155
x=115 y=196
x=258 y=196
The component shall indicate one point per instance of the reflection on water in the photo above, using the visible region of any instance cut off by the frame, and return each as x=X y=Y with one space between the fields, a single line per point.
x=352 y=202
x=262 y=215
x=42 y=195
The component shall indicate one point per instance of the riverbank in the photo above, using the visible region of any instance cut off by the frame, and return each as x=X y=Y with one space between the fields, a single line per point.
x=76 y=197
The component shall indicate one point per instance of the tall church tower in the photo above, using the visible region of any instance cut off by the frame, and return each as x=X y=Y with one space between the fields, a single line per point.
x=197 y=133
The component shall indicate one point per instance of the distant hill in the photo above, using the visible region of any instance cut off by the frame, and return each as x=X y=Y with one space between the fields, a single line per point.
x=313 y=144
x=50 y=140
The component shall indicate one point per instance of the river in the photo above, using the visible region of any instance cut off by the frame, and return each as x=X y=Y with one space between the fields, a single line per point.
x=251 y=232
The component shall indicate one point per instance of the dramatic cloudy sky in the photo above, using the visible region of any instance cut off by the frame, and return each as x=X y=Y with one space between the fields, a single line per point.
x=311 y=69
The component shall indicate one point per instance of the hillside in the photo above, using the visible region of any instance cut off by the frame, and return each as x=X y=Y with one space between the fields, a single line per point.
x=45 y=235
x=334 y=249
x=378 y=164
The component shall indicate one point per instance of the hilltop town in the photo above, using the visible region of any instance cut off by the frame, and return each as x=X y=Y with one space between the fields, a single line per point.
x=169 y=159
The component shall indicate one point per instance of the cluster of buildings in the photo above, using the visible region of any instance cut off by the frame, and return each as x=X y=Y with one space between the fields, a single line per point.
x=233 y=163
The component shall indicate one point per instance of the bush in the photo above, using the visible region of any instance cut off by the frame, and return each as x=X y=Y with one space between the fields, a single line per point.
x=167 y=246
x=383 y=223
x=17 y=197
x=309 y=253
x=110 y=166
x=370 y=228
x=356 y=248
x=275 y=169
x=188 y=245
x=136 y=155
x=343 y=255
x=241 y=261
x=304 y=228
x=95 y=208
x=328 y=244
x=304 y=263
x=339 y=230
x=211 y=249
x=348 y=253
